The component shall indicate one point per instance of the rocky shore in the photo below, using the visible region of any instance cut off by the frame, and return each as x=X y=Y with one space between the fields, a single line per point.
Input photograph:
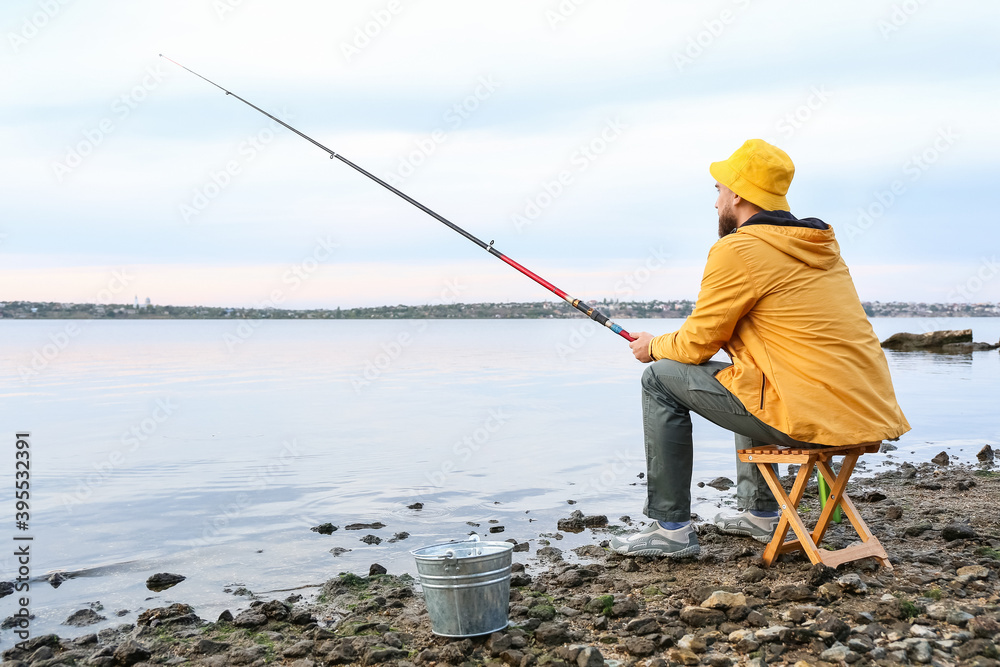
x=940 y=605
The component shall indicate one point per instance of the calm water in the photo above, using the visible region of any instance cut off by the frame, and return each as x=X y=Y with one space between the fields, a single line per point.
x=209 y=448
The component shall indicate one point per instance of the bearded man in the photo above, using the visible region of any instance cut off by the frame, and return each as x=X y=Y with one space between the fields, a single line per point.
x=806 y=367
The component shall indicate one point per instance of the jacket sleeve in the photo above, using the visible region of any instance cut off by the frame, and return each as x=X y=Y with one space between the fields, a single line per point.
x=727 y=294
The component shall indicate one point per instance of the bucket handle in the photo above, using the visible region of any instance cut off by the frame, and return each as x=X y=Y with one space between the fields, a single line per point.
x=450 y=560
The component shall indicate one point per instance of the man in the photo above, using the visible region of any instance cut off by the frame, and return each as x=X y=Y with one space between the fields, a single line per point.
x=806 y=366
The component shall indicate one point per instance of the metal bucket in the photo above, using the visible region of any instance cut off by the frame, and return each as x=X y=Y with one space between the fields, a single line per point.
x=466 y=586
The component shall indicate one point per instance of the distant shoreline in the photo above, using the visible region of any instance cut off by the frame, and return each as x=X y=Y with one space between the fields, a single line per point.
x=513 y=310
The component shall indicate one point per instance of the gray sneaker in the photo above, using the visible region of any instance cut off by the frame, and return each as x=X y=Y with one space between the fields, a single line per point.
x=760 y=528
x=656 y=541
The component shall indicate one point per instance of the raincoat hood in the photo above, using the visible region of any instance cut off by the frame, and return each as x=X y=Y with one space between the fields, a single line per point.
x=810 y=241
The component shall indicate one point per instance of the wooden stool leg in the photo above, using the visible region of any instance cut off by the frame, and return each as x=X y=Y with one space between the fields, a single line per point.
x=789 y=515
x=871 y=546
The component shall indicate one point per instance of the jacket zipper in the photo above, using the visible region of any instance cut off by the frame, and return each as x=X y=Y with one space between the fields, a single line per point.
x=763 y=382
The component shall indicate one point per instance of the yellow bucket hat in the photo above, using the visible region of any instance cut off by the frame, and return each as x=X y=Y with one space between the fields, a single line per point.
x=758 y=172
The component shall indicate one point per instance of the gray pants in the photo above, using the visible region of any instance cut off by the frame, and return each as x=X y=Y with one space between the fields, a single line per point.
x=670 y=391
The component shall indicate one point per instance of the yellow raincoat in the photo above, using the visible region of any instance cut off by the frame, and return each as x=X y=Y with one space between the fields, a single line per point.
x=780 y=301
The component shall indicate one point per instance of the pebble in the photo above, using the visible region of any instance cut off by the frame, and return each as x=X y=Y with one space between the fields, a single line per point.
x=724 y=600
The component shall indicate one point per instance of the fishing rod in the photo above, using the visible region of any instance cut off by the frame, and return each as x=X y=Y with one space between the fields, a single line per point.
x=590 y=312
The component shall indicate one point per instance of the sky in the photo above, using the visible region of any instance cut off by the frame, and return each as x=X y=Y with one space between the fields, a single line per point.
x=576 y=134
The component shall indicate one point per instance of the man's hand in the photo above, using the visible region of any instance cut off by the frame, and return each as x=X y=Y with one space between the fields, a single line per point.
x=640 y=346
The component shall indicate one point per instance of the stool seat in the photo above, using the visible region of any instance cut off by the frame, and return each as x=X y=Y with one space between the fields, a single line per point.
x=807 y=541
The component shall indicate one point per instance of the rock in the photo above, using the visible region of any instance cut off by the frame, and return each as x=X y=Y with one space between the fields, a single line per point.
x=628 y=565
x=753 y=574
x=941 y=459
x=590 y=656
x=595 y=521
x=365 y=526
x=57 y=578
x=376 y=569
x=570 y=579
x=928 y=341
x=793 y=593
x=552 y=553
x=378 y=654
x=958 y=531
x=721 y=483
x=130 y=652
x=84 y=617
x=770 y=634
x=343 y=652
x=643 y=626
x=820 y=574
x=601 y=604
x=518 y=580
x=336 y=551
x=497 y=644
x=743 y=641
x=699 y=617
x=301 y=617
x=543 y=612
x=415 y=506
x=869 y=496
x=324 y=528
x=574 y=524
x=724 y=600
x=692 y=643
x=984 y=626
x=970 y=572
x=916 y=529
x=958 y=617
x=887 y=447
x=919 y=652
x=370 y=539
x=512 y=657
x=44 y=653
x=977 y=647
x=837 y=653
x=985 y=454
x=225 y=617
x=589 y=551
x=830 y=591
x=552 y=633
x=496 y=529
x=851 y=583
x=299 y=649
x=623 y=608
x=827 y=622
x=894 y=512
x=6 y=588
x=639 y=646
x=568 y=653
x=683 y=657
x=251 y=618
x=208 y=647
x=398 y=537
x=860 y=643
x=275 y=610
x=163 y=580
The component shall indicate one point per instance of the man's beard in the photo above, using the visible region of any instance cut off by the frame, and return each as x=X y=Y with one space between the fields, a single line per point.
x=727 y=222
